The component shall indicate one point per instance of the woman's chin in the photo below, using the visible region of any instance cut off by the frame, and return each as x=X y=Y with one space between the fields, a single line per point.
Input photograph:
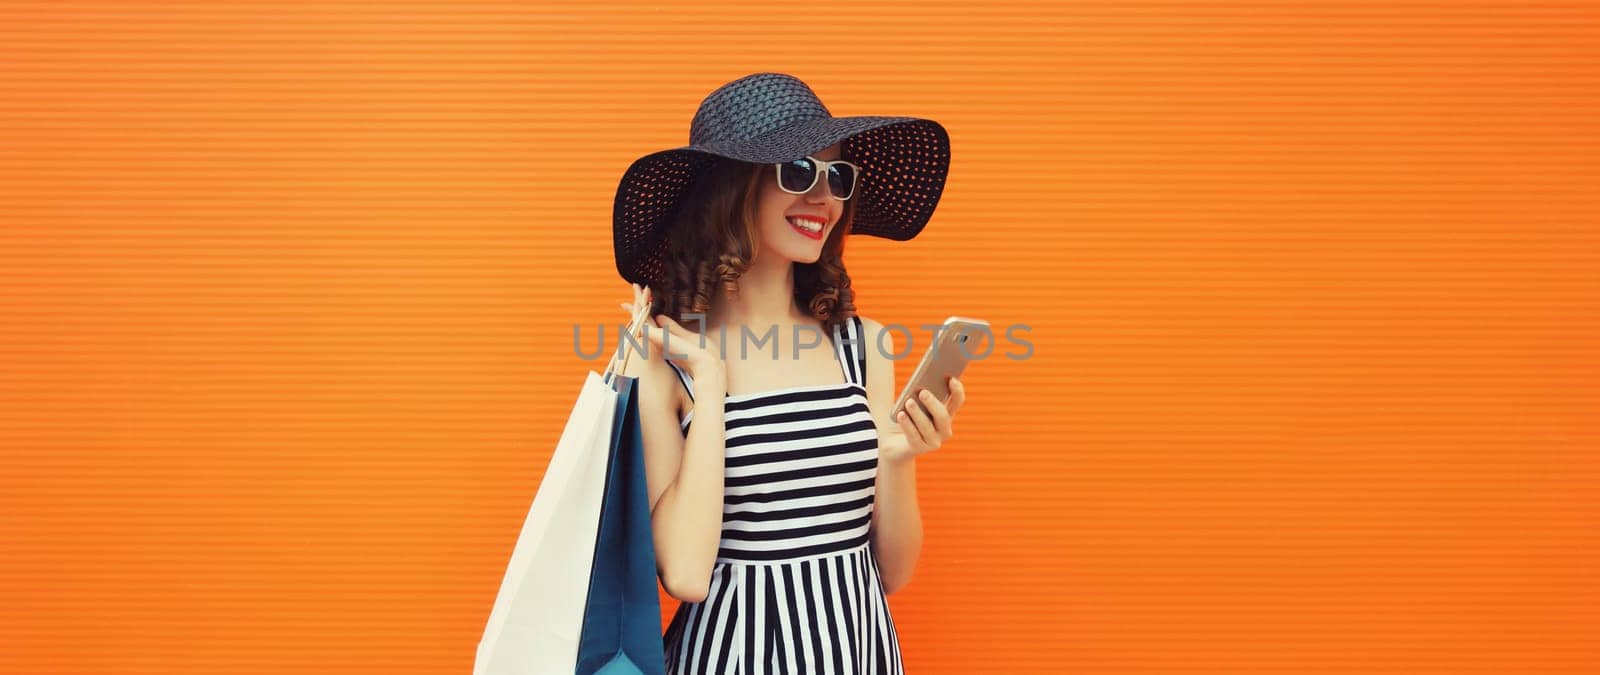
x=809 y=257
x=804 y=254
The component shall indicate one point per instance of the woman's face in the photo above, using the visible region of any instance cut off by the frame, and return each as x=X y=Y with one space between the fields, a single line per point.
x=775 y=208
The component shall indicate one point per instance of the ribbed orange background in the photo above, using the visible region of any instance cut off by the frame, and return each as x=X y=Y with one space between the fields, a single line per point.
x=287 y=288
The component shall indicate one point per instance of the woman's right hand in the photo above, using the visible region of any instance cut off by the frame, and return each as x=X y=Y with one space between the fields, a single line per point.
x=683 y=349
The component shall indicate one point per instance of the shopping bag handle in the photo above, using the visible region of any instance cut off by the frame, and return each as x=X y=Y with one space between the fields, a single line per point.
x=640 y=313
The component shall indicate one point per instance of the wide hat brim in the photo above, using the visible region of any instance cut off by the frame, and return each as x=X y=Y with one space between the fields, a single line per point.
x=903 y=160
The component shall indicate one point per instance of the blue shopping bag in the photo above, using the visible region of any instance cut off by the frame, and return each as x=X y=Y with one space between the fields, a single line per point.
x=622 y=619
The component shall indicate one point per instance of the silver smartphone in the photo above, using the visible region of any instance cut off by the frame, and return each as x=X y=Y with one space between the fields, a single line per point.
x=957 y=343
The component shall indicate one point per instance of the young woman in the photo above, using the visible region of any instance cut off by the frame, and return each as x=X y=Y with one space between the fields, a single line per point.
x=783 y=489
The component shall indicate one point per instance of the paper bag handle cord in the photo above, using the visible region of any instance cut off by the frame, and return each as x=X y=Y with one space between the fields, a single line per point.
x=639 y=316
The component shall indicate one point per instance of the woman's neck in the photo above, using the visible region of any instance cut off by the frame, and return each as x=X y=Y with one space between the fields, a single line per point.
x=766 y=298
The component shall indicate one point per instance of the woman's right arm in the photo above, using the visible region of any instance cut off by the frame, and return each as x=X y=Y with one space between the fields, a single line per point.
x=684 y=471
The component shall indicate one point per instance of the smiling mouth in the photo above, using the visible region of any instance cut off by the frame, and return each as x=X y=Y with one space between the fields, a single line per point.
x=806 y=226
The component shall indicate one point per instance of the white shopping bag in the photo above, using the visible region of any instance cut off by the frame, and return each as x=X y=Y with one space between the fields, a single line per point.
x=537 y=618
x=538 y=615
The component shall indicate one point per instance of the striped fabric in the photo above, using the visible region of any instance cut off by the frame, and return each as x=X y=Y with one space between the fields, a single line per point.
x=796 y=587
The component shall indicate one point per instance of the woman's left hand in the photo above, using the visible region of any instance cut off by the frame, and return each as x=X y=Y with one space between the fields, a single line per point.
x=925 y=424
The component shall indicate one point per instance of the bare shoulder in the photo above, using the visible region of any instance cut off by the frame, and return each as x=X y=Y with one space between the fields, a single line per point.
x=878 y=344
x=658 y=384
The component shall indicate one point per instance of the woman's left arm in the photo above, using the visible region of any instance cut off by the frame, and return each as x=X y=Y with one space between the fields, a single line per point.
x=896 y=530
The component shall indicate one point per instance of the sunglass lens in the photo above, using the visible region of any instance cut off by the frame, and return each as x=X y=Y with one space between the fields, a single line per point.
x=798 y=175
x=841 y=180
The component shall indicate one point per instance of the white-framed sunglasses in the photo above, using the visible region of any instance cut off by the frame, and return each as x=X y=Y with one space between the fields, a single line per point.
x=799 y=176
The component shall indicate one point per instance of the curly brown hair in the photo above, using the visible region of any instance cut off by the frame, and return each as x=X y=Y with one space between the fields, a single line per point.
x=711 y=243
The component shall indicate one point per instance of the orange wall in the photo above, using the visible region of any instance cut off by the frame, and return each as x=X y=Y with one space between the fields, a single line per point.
x=286 y=288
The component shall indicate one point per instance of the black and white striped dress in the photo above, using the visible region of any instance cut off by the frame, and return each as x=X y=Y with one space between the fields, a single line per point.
x=796 y=587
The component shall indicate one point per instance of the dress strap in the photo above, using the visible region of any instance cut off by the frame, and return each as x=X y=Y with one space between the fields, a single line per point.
x=852 y=351
x=688 y=382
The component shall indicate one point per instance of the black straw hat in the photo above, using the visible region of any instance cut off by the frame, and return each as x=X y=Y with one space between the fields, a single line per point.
x=770 y=118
